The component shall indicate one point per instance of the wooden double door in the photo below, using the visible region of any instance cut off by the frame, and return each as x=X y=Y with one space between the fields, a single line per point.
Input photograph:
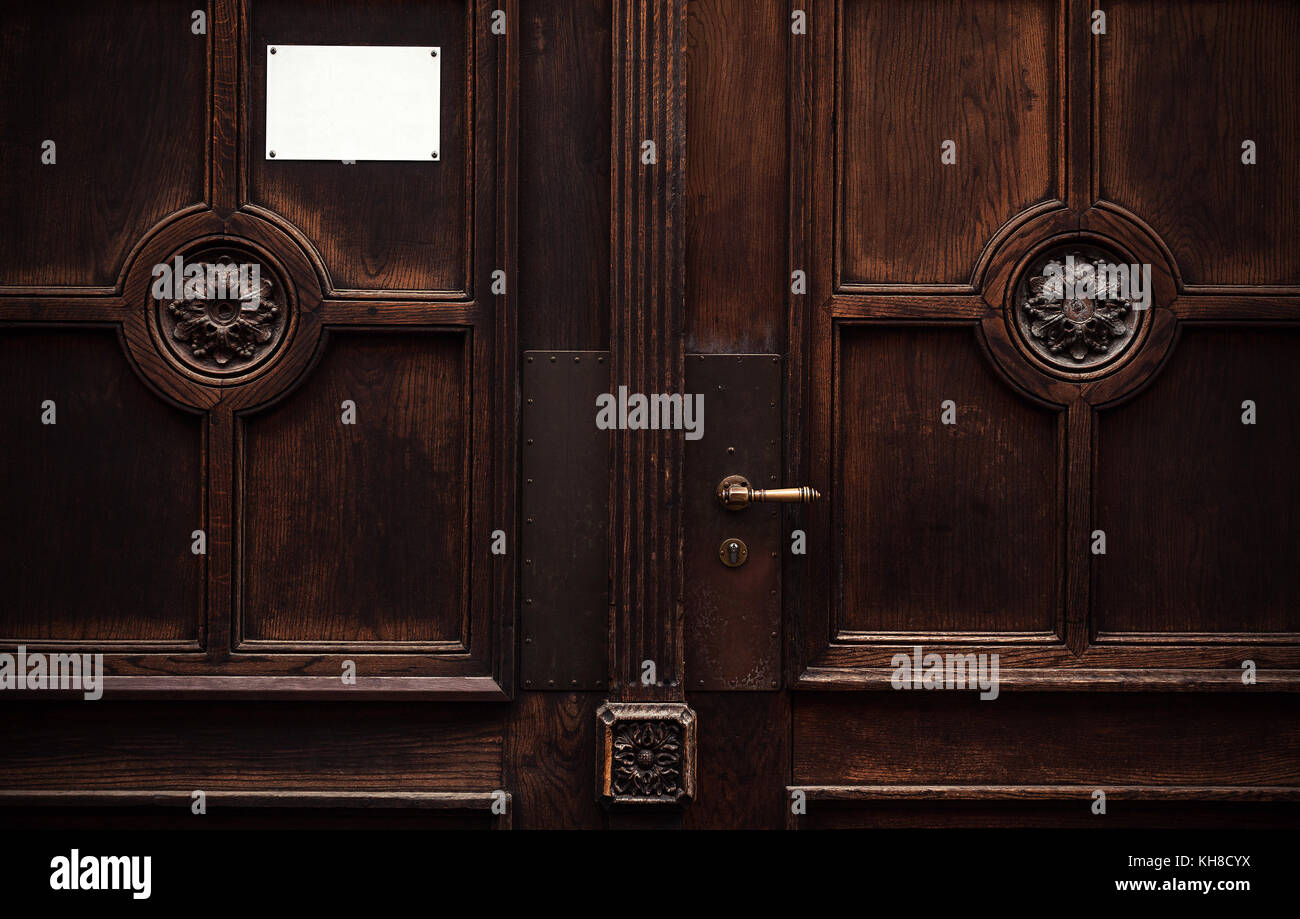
x=369 y=554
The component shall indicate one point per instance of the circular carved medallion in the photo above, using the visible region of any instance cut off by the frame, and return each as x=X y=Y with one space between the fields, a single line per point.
x=1078 y=306
x=221 y=310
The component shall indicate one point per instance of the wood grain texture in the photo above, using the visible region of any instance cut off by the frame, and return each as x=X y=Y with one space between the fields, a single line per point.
x=98 y=507
x=920 y=737
x=122 y=97
x=253 y=810
x=550 y=760
x=744 y=754
x=238 y=817
x=909 y=84
x=1200 y=510
x=1194 y=80
x=736 y=196
x=1148 y=806
x=944 y=527
x=416 y=643
x=228 y=30
x=385 y=500
x=646 y=343
x=380 y=541
x=1073 y=814
x=210 y=746
x=391 y=226
x=564 y=188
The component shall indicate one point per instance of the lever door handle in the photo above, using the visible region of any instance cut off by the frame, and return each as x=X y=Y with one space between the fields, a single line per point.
x=735 y=493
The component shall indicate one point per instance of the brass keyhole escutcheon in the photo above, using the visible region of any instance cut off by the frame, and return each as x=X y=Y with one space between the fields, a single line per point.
x=733 y=552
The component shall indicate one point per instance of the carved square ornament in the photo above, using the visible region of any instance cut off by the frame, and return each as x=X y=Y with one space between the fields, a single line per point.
x=645 y=753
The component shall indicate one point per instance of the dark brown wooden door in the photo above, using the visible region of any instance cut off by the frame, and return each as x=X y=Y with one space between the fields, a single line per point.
x=289 y=501
x=382 y=500
x=1083 y=489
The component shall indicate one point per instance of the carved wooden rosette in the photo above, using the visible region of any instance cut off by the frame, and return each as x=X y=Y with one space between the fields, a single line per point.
x=1072 y=312
x=228 y=321
x=1061 y=346
x=645 y=753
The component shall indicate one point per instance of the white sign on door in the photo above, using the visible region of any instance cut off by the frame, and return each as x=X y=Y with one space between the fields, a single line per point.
x=352 y=102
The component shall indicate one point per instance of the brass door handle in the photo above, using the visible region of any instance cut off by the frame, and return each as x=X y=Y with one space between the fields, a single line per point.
x=735 y=493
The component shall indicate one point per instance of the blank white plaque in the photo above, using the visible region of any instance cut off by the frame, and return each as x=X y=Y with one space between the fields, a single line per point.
x=352 y=102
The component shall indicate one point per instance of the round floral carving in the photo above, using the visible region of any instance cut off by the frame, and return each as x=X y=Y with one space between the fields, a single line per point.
x=221 y=311
x=1078 y=307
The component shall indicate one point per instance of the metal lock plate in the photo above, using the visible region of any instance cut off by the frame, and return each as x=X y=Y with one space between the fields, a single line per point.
x=732 y=630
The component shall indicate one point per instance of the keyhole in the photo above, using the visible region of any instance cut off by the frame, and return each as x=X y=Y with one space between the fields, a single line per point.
x=732 y=552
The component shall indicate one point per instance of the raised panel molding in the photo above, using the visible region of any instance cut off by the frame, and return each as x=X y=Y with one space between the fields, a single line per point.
x=891 y=119
x=996 y=471
x=844 y=806
x=940 y=738
x=387 y=498
x=380 y=229
x=1199 y=549
x=99 y=506
x=127 y=118
x=283 y=808
x=1226 y=223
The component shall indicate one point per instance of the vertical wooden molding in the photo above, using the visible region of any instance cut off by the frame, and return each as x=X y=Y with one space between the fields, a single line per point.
x=506 y=356
x=220 y=562
x=820 y=241
x=1078 y=526
x=647 y=294
x=1078 y=92
x=799 y=310
x=225 y=25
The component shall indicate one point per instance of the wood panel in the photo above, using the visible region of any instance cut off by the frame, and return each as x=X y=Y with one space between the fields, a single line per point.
x=550 y=760
x=943 y=527
x=1193 y=81
x=239 y=817
x=1200 y=510
x=384 y=500
x=99 y=507
x=210 y=746
x=123 y=99
x=379 y=226
x=1072 y=808
x=744 y=757
x=920 y=737
x=564 y=191
x=990 y=83
x=736 y=196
